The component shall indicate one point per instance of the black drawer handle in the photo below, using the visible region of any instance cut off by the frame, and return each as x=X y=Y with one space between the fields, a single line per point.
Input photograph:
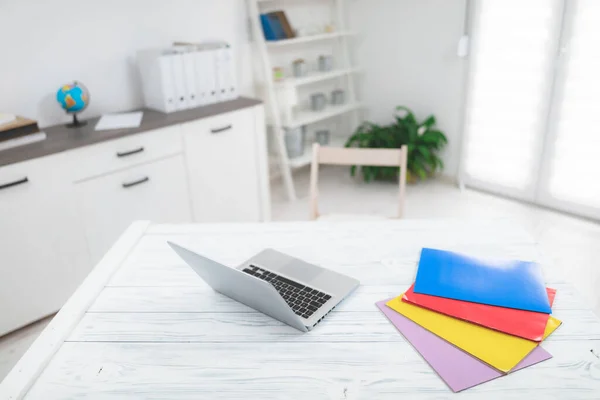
x=131 y=152
x=225 y=128
x=135 y=183
x=15 y=183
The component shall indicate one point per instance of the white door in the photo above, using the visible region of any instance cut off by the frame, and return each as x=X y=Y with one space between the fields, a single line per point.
x=533 y=103
x=43 y=255
x=570 y=178
x=221 y=156
x=156 y=191
x=514 y=45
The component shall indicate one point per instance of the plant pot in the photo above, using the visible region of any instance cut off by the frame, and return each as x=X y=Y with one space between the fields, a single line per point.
x=411 y=179
x=338 y=97
x=322 y=137
x=318 y=101
x=295 y=141
x=325 y=63
x=300 y=68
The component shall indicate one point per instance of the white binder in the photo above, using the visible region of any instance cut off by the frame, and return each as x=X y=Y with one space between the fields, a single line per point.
x=202 y=86
x=156 y=72
x=181 y=98
x=226 y=74
x=234 y=91
x=191 y=86
x=206 y=72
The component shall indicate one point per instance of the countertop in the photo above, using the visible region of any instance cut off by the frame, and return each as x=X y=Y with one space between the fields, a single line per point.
x=60 y=138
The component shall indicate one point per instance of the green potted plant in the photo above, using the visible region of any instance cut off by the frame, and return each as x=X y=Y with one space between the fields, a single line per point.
x=423 y=140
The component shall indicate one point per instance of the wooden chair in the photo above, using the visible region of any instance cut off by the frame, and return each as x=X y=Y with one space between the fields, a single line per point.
x=352 y=156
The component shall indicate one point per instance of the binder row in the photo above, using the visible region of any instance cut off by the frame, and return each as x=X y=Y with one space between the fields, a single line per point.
x=187 y=76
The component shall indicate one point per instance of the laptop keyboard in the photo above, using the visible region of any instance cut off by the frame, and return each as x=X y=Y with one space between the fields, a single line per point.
x=303 y=300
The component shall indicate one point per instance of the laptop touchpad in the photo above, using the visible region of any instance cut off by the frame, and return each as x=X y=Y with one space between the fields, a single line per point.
x=301 y=271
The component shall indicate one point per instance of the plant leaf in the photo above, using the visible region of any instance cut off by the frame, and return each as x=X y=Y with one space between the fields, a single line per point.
x=409 y=113
x=429 y=122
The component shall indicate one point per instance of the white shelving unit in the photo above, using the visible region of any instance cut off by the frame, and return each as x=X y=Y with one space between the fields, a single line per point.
x=316 y=77
x=307 y=39
x=282 y=115
x=307 y=117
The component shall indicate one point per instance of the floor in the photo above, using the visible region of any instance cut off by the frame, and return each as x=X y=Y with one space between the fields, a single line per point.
x=569 y=242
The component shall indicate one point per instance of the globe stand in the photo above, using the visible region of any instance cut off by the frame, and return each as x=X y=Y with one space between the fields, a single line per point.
x=76 y=123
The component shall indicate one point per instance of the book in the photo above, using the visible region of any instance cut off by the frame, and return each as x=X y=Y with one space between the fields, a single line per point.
x=285 y=24
x=267 y=28
x=17 y=128
x=272 y=27
x=22 y=141
x=6 y=118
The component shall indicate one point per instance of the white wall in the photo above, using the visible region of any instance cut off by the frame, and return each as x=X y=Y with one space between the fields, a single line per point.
x=406 y=47
x=44 y=44
x=408 y=51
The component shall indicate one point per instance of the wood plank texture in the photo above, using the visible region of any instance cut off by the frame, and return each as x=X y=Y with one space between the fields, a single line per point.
x=164 y=299
x=158 y=331
x=369 y=370
x=22 y=376
x=248 y=326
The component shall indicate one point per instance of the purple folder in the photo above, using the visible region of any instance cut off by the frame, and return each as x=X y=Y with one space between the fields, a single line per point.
x=458 y=369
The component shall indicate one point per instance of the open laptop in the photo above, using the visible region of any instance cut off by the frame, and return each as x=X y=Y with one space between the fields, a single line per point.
x=290 y=290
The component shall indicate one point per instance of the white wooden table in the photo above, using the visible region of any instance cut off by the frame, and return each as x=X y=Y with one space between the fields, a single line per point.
x=143 y=325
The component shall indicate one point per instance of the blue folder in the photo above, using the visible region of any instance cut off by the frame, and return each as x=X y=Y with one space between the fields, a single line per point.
x=511 y=284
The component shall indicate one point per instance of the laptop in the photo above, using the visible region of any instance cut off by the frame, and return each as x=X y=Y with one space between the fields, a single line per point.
x=288 y=289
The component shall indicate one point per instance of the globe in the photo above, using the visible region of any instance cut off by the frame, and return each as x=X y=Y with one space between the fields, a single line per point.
x=73 y=98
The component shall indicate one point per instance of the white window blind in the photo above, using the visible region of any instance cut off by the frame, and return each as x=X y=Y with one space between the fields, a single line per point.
x=513 y=48
x=574 y=159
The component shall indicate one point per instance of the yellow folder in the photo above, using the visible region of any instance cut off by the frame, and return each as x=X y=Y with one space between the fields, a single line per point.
x=500 y=350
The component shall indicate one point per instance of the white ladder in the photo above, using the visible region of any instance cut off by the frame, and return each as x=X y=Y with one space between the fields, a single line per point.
x=292 y=120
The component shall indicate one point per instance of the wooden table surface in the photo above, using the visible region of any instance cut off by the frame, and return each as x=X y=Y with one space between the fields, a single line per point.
x=144 y=325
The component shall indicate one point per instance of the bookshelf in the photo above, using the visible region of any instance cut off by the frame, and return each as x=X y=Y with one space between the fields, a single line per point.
x=284 y=115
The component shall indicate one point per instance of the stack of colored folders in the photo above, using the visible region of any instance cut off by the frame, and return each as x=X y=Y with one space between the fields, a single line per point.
x=474 y=320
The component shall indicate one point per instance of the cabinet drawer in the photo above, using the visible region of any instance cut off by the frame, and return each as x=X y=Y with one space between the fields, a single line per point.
x=14 y=175
x=222 y=163
x=43 y=254
x=122 y=153
x=156 y=191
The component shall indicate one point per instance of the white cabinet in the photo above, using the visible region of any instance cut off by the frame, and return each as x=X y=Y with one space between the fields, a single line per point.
x=156 y=191
x=43 y=257
x=223 y=156
x=60 y=214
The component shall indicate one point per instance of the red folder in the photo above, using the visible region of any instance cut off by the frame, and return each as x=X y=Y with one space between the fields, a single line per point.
x=526 y=324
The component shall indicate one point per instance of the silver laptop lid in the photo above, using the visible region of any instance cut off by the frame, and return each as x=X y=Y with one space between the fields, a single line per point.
x=239 y=286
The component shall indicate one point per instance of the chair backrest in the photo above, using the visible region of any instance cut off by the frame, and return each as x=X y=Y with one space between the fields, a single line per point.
x=352 y=156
